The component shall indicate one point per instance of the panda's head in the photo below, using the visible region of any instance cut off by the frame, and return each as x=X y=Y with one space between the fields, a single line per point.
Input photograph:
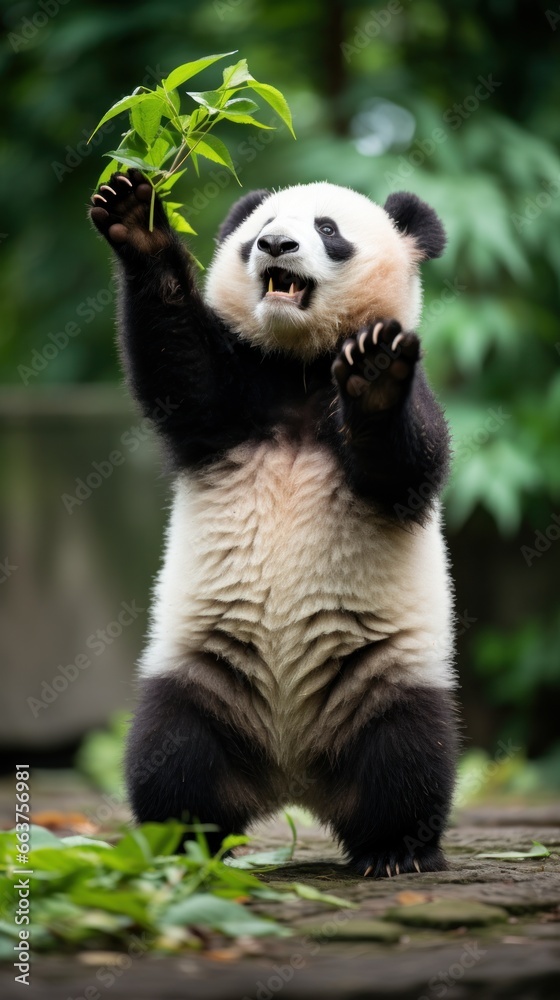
x=300 y=269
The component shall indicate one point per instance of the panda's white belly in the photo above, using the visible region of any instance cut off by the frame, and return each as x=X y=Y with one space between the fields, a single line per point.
x=272 y=563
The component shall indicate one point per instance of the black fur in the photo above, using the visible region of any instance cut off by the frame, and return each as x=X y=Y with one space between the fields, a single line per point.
x=183 y=763
x=221 y=391
x=240 y=211
x=207 y=391
x=396 y=447
x=336 y=246
x=417 y=219
x=386 y=794
x=390 y=789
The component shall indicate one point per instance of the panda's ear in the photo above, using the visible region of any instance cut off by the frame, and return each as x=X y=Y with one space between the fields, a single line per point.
x=415 y=218
x=239 y=212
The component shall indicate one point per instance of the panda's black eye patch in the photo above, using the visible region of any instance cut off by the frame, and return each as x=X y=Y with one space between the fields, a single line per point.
x=326 y=227
x=336 y=246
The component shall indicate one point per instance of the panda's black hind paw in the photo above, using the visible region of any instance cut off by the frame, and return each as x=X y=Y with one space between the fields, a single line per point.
x=120 y=211
x=375 y=365
x=389 y=863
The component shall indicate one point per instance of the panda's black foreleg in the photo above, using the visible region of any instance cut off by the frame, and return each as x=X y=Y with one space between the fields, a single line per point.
x=180 y=365
x=184 y=764
x=387 y=794
x=391 y=431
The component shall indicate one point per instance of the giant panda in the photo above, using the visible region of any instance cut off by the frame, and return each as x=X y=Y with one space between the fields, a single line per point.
x=301 y=639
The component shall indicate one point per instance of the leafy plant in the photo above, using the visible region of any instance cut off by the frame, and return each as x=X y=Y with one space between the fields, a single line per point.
x=536 y=851
x=162 y=138
x=87 y=892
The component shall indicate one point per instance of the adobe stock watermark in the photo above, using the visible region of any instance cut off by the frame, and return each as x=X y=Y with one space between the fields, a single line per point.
x=31 y=27
x=466 y=445
x=6 y=570
x=537 y=204
x=454 y=117
x=267 y=989
x=450 y=291
x=446 y=980
x=464 y=448
x=225 y=7
x=75 y=155
x=107 y=975
x=374 y=23
x=132 y=438
x=245 y=153
x=542 y=541
x=95 y=644
x=58 y=341
x=553 y=17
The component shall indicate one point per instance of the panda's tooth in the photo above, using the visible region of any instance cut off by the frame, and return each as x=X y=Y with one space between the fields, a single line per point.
x=292 y=289
x=271 y=285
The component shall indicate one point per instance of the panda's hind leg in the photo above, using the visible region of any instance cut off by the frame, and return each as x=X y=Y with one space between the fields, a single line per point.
x=387 y=793
x=185 y=763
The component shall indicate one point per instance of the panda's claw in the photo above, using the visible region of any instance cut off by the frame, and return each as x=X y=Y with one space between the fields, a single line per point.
x=348 y=352
x=376 y=365
x=376 y=330
x=398 y=861
x=125 y=219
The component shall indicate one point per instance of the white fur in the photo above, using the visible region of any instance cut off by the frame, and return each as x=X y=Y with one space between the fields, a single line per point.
x=272 y=563
x=276 y=552
x=381 y=279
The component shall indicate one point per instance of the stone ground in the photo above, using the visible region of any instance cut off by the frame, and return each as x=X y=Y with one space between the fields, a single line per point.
x=488 y=929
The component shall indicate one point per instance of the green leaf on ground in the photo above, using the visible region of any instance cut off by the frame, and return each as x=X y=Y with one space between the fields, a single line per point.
x=536 y=851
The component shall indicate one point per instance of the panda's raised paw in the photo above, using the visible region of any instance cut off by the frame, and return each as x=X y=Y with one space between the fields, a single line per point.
x=376 y=364
x=390 y=863
x=120 y=210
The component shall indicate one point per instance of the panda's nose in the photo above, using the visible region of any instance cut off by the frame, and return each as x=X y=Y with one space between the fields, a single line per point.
x=277 y=245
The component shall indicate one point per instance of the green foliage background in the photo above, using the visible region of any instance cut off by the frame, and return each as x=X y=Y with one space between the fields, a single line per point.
x=373 y=89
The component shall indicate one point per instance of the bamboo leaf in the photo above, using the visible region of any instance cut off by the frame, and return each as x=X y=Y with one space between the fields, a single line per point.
x=276 y=100
x=179 y=223
x=146 y=118
x=309 y=892
x=212 y=100
x=536 y=851
x=123 y=105
x=243 y=105
x=242 y=119
x=130 y=159
x=183 y=73
x=213 y=149
x=235 y=75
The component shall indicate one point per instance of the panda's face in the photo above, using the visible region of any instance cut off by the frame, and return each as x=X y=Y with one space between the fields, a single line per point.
x=311 y=265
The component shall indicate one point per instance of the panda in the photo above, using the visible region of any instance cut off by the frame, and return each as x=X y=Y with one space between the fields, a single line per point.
x=301 y=639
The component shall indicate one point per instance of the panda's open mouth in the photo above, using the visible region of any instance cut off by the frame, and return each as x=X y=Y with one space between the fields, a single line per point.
x=288 y=287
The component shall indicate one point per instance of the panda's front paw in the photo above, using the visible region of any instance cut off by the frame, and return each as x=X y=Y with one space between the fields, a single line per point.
x=376 y=365
x=401 y=861
x=120 y=210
